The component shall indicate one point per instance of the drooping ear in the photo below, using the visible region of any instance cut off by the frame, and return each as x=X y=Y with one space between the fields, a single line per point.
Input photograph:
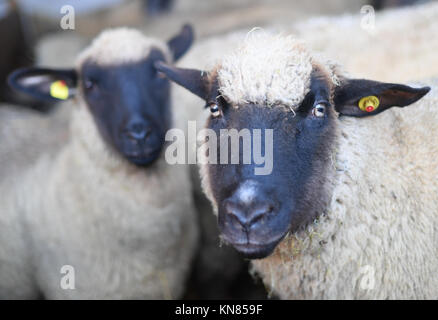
x=44 y=84
x=180 y=43
x=361 y=98
x=196 y=81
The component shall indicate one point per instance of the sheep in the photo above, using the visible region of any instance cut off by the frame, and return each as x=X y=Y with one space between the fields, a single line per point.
x=410 y=30
x=349 y=208
x=99 y=205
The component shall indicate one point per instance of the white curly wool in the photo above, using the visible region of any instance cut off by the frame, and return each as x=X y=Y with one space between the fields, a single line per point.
x=120 y=45
x=266 y=69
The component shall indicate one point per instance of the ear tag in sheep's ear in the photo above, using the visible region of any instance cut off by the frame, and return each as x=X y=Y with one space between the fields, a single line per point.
x=59 y=90
x=369 y=104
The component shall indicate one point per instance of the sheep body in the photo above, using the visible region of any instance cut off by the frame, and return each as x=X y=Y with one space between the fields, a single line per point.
x=128 y=232
x=105 y=222
x=401 y=45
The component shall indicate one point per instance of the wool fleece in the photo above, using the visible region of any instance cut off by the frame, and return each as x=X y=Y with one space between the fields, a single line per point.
x=269 y=70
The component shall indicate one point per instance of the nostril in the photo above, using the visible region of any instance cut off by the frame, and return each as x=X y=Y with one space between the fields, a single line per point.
x=138 y=131
x=137 y=127
x=259 y=212
x=233 y=210
x=248 y=215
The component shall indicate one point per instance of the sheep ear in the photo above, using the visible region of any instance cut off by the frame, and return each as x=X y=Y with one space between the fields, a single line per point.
x=195 y=81
x=180 y=43
x=361 y=98
x=44 y=84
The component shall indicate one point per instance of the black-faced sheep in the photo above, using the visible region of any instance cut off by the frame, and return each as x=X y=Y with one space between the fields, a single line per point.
x=106 y=202
x=349 y=208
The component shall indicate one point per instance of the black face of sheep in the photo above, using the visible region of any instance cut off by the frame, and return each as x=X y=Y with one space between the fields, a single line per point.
x=256 y=211
x=130 y=102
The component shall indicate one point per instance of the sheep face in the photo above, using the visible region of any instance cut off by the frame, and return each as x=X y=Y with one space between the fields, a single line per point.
x=130 y=105
x=115 y=79
x=256 y=211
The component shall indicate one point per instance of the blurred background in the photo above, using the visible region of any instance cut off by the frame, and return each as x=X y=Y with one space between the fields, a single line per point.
x=30 y=33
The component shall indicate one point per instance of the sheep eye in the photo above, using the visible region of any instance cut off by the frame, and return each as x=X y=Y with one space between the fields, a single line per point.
x=89 y=84
x=319 y=110
x=214 y=109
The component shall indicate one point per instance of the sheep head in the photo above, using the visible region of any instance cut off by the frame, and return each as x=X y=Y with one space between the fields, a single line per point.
x=116 y=80
x=275 y=83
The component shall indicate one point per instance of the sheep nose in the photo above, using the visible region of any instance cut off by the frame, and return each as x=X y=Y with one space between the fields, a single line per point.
x=248 y=206
x=246 y=214
x=137 y=130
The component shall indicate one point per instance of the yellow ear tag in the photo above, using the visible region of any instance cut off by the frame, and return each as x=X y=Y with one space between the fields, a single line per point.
x=369 y=104
x=59 y=90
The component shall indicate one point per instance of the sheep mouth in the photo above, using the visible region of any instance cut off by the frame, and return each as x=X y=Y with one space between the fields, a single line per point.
x=251 y=249
x=255 y=251
x=143 y=158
